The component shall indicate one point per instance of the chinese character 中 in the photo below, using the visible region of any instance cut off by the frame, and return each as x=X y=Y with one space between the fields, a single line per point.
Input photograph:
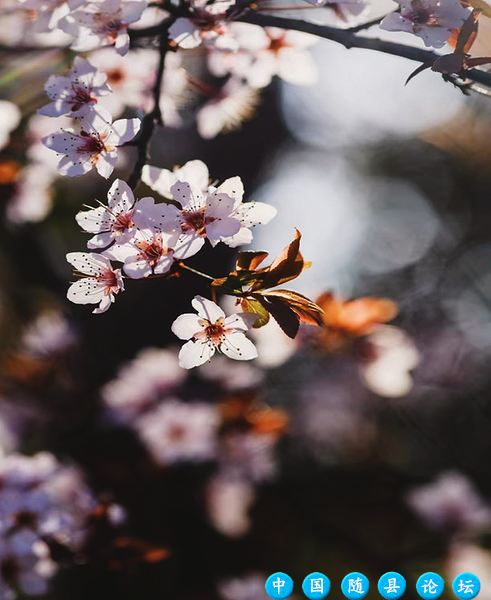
x=354 y=585
x=317 y=585
x=466 y=587
x=430 y=586
x=392 y=588
x=279 y=583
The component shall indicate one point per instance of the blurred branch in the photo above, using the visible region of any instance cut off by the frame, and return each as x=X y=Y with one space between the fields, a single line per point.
x=349 y=39
x=153 y=118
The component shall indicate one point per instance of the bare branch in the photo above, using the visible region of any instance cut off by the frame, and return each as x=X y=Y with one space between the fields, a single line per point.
x=350 y=40
x=151 y=119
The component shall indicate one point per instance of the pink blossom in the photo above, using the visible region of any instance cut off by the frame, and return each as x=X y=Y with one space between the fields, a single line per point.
x=206 y=26
x=77 y=93
x=149 y=251
x=101 y=286
x=176 y=431
x=102 y=23
x=94 y=145
x=431 y=20
x=119 y=220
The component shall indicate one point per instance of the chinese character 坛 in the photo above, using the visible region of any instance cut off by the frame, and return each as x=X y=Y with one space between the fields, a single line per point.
x=466 y=586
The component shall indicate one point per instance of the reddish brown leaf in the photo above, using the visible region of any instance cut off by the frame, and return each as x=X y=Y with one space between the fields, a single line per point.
x=286 y=318
x=307 y=310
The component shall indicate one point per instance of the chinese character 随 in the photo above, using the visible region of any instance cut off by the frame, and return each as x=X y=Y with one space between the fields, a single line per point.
x=354 y=585
x=466 y=586
x=430 y=586
x=279 y=583
x=392 y=587
x=317 y=585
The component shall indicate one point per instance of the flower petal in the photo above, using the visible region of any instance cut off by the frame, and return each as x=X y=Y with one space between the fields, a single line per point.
x=238 y=347
x=185 y=326
x=207 y=309
x=193 y=354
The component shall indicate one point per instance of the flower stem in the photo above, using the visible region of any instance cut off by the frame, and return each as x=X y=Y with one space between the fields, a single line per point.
x=183 y=266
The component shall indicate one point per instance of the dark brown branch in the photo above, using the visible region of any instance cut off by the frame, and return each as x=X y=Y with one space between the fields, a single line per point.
x=151 y=119
x=350 y=40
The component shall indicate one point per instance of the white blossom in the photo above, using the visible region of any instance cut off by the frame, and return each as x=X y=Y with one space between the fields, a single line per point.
x=431 y=20
x=9 y=119
x=177 y=431
x=101 y=285
x=119 y=220
x=206 y=212
x=77 y=93
x=102 y=23
x=206 y=26
x=195 y=172
x=141 y=383
x=264 y=53
x=211 y=330
x=95 y=145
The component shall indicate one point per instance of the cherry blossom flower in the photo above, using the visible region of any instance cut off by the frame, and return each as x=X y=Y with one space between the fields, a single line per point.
x=41 y=501
x=118 y=221
x=33 y=194
x=46 y=14
x=206 y=26
x=393 y=356
x=77 y=93
x=264 y=53
x=140 y=384
x=9 y=119
x=195 y=172
x=95 y=145
x=177 y=431
x=431 y=20
x=102 y=23
x=211 y=330
x=101 y=285
x=234 y=103
x=228 y=501
x=451 y=502
x=149 y=251
x=206 y=211
x=132 y=78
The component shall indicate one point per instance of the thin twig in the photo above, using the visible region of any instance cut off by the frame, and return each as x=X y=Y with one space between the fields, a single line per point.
x=151 y=119
x=350 y=40
x=196 y=272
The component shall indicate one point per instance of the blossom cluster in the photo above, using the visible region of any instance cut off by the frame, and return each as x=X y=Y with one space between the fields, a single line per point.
x=42 y=503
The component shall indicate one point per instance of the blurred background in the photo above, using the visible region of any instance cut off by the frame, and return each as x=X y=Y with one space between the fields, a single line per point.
x=364 y=446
